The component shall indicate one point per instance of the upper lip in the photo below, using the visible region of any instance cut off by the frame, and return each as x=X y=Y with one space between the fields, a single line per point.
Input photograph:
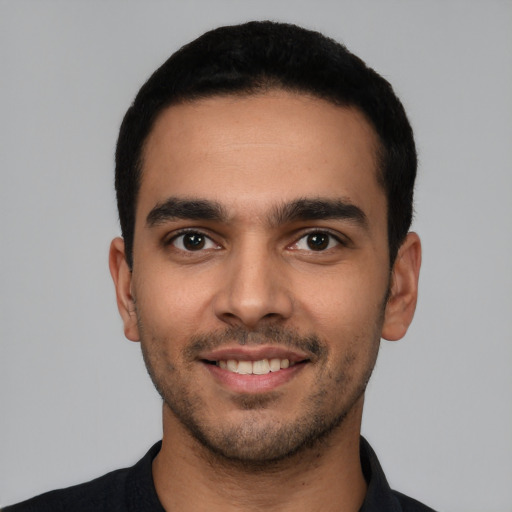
x=254 y=354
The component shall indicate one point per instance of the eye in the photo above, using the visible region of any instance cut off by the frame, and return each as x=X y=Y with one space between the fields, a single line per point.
x=317 y=241
x=193 y=241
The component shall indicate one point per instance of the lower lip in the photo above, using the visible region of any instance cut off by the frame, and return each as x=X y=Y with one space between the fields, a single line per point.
x=254 y=383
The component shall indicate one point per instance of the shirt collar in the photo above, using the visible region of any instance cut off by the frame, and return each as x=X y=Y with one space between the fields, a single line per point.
x=379 y=496
x=141 y=494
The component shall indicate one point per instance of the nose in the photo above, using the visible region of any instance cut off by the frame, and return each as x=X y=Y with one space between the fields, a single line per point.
x=254 y=289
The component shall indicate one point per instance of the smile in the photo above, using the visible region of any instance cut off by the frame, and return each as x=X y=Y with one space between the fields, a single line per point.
x=253 y=369
x=261 y=367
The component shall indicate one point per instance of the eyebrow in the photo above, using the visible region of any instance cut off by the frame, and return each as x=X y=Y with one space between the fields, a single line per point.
x=175 y=208
x=192 y=209
x=318 y=209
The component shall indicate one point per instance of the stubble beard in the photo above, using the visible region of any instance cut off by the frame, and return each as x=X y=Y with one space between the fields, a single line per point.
x=256 y=442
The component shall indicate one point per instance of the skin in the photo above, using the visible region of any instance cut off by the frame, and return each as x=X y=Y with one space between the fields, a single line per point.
x=256 y=285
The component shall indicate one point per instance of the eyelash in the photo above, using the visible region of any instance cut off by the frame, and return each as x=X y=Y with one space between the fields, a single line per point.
x=182 y=233
x=322 y=232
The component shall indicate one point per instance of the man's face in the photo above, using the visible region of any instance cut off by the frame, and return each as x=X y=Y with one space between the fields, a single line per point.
x=260 y=269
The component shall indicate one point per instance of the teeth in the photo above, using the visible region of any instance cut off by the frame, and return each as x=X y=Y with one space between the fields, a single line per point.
x=275 y=365
x=232 y=365
x=261 y=367
x=244 y=367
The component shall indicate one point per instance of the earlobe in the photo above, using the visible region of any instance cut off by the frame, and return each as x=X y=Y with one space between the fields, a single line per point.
x=403 y=290
x=122 y=277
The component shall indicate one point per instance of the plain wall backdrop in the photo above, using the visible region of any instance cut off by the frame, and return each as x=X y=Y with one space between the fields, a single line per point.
x=75 y=398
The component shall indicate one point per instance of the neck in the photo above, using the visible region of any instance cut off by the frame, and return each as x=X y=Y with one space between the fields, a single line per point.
x=326 y=476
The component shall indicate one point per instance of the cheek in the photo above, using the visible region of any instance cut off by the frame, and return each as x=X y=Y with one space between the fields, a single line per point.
x=346 y=299
x=170 y=304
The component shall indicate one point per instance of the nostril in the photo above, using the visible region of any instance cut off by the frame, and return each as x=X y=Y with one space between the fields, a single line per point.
x=271 y=315
x=246 y=299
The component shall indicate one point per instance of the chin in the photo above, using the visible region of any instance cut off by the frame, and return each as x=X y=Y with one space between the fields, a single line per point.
x=257 y=439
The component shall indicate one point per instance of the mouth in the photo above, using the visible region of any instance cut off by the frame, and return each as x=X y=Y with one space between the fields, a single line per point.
x=259 y=367
x=256 y=369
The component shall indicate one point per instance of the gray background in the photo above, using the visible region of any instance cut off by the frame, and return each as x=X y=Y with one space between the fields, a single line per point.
x=75 y=398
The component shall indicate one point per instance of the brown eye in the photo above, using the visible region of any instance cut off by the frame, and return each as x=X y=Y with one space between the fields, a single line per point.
x=318 y=241
x=193 y=241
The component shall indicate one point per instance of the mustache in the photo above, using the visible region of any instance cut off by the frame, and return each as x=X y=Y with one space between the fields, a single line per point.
x=266 y=335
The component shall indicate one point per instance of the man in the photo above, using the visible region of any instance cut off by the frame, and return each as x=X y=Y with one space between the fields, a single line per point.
x=264 y=179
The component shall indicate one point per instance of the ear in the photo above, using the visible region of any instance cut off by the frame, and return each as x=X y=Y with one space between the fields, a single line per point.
x=404 y=289
x=122 y=276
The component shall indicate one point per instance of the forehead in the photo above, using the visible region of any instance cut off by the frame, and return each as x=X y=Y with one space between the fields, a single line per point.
x=253 y=151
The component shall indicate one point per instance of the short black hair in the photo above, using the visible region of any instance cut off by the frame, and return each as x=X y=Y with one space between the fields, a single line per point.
x=258 y=56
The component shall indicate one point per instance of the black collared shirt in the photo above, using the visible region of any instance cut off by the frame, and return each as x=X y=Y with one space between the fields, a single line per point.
x=379 y=496
x=132 y=490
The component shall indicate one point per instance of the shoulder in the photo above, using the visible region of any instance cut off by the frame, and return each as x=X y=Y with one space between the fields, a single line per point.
x=105 y=493
x=380 y=497
x=408 y=504
x=124 y=490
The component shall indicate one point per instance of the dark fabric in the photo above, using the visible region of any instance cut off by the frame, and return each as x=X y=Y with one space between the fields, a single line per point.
x=379 y=496
x=124 y=490
x=132 y=490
